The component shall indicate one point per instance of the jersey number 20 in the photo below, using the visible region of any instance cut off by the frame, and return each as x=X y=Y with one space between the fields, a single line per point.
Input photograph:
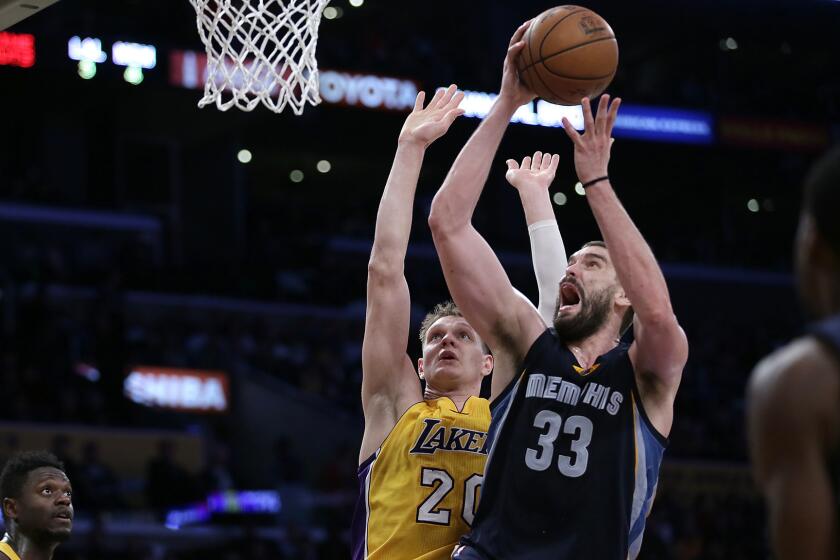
x=443 y=483
x=540 y=459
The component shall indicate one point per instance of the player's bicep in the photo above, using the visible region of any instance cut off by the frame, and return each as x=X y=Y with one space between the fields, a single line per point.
x=660 y=351
x=800 y=508
x=789 y=467
x=483 y=292
x=387 y=323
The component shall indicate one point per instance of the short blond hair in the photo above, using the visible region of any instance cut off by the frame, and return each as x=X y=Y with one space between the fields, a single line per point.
x=443 y=309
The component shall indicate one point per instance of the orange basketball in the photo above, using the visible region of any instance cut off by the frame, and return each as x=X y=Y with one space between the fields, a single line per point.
x=570 y=52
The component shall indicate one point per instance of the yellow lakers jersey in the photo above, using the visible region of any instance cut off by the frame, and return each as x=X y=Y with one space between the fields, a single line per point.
x=419 y=491
x=8 y=551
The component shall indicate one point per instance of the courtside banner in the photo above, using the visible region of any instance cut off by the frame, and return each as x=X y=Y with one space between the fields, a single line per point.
x=185 y=390
x=773 y=134
x=664 y=124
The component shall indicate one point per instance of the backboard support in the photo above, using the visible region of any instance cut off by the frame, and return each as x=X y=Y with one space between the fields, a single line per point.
x=13 y=11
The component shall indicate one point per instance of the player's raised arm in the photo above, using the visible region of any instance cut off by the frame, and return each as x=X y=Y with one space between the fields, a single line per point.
x=660 y=349
x=502 y=316
x=532 y=180
x=389 y=382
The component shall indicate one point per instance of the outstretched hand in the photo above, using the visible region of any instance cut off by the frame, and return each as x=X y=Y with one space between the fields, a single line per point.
x=534 y=173
x=425 y=125
x=592 y=148
x=512 y=86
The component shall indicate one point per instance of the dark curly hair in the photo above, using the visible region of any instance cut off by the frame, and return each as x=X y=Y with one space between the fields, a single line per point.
x=19 y=466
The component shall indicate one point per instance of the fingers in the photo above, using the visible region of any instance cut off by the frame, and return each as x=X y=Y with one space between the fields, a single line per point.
x=455 y=100
x=512 y=164
x=436 y=99
x=588 y=122
x=570 y=131
x=537 y=161
x=612 y=115
x=601 y=117
x=418 y=103
x=519 y=33
x=452 y=115
x=526 y=162
x=444 y=99
x=514 y=49
x=546 y=161
x=555 y=161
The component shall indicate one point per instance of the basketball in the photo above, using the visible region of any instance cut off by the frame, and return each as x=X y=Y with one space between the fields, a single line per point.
x=570 y=52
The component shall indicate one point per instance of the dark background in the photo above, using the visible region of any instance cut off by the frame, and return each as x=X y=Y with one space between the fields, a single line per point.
x=237 y=268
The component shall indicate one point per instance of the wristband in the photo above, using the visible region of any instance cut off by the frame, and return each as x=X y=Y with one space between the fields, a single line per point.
x=593 y=181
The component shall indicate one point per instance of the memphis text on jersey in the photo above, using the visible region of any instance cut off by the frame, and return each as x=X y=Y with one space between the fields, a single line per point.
x=556 y=388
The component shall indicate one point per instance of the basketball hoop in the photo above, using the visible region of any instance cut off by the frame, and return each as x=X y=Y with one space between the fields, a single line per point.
x=260 y=51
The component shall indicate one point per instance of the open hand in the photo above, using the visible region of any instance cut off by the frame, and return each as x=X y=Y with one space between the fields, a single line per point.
x=534 y=173
x=425 y=125
x=592 y=148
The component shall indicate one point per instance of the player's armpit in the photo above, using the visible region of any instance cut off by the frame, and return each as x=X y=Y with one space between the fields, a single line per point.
x=792 y=423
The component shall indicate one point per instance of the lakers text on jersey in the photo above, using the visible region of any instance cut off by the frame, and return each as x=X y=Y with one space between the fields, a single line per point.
x=418 y=492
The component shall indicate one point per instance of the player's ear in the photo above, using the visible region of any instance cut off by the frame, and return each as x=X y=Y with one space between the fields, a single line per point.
x=9 y=508
x=487 y=365
x=420 y=371
x=620 y=298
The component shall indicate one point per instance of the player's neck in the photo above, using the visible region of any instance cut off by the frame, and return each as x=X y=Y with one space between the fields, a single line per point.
x=586 y=351
x=28 y=549
x=458 y=397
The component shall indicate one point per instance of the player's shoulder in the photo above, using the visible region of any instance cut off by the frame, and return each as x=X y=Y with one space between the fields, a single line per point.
x=802 y=373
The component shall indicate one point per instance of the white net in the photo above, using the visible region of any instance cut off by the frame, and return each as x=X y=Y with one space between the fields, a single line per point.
x=260 y=51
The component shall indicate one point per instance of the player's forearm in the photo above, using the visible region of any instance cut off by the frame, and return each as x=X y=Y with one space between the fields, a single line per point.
x=634 y=262
x=537 y=205
x=393 y=219
x=549 y=258
x=455 y=202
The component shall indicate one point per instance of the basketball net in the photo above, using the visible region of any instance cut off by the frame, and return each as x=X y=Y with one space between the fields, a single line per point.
x=260 y=51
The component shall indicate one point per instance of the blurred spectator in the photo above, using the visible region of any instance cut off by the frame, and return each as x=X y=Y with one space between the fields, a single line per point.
x=216 y=476
x=97 y=488
x=167 y=483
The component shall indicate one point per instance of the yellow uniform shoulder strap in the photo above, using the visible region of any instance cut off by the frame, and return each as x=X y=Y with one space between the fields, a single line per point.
x=8 y=551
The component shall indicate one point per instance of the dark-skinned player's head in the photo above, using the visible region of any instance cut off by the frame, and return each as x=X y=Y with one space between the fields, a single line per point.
x=590 y=296
x=36 y=497
x=818 y=238
x=454 y=356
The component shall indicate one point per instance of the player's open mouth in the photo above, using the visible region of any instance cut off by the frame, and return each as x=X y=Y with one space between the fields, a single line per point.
x=569 y=296
x=65 y=515
x=447 y=355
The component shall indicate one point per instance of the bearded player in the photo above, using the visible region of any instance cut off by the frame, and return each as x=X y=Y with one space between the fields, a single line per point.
x=581 y=423
x=423 y=451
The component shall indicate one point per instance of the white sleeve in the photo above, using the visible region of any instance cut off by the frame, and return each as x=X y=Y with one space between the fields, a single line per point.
x=549 y=257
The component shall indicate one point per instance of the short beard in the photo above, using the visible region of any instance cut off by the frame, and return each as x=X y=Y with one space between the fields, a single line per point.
x=593 y=313
x=47 y=537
